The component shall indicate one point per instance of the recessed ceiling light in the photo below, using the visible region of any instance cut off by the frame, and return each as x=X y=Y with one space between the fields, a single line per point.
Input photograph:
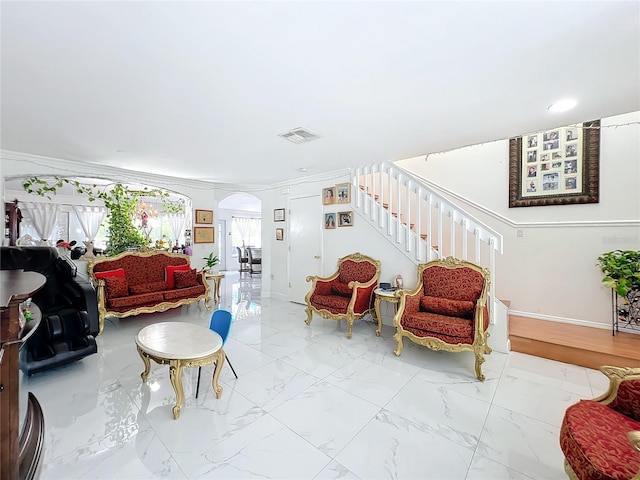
x=563 y=105
x=302 y=169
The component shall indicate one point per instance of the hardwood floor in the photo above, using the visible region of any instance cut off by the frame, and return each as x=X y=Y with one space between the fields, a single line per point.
x=584 y=346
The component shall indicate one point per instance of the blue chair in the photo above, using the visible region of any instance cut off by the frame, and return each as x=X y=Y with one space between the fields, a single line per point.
x=221 y=324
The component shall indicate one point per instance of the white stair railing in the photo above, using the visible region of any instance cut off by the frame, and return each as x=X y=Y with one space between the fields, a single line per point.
x=419 y=222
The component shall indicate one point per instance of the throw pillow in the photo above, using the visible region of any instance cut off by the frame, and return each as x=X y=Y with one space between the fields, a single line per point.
x=445 y=306
x=185 y=278
x=168 y=273
x=118 y=272
x=116 y=287
x=342 y=289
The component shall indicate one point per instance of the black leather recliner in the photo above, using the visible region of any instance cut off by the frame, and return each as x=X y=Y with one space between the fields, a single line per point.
x=68 y=304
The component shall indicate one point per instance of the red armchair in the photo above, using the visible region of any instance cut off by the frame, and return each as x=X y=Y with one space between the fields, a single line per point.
x=447 y=309
x=347 y=294
x=600 y=438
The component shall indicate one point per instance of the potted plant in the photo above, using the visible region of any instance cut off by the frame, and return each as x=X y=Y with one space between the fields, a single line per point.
x=621 y=269
x=210 y=261
x=121 y=204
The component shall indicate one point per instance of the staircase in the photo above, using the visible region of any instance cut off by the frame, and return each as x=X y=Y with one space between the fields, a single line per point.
x=424 y=226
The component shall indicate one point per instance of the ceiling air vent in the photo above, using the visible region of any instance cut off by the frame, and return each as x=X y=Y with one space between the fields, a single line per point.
x=299 y=135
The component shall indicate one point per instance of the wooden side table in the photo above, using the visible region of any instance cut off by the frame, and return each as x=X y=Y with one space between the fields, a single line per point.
x=384 y=296
x=216 y=277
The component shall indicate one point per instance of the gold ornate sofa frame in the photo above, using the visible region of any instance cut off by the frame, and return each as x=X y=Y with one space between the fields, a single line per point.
x=153 y=263
x=356 y=278
x=581 y=421
x=443 y=327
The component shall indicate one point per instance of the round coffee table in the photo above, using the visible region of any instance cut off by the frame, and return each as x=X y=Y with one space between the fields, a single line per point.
x=180 y=345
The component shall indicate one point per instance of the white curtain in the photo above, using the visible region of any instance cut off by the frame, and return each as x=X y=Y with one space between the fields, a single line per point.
x=90 y=217
x=44 y=217
x=244 y=225
x=176 y=222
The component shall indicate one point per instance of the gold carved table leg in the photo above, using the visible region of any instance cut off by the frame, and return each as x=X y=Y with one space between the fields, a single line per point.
x=220 y=356
x=378 y=315
x=147 y=365
x=175 y=375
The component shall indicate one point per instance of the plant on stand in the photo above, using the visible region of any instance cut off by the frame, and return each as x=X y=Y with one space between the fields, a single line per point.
x=621 y=269
x=210 y=262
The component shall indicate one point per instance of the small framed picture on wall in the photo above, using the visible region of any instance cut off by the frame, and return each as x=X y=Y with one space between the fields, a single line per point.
x=279 y=233
x=345 y=219
x=329 y=196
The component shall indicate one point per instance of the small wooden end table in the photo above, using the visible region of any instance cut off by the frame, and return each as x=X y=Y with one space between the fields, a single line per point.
x=180 y=345
x=384 y=296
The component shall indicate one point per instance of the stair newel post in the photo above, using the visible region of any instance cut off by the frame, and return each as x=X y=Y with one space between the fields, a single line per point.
x=465 y=241
x=398 y=207
x=390 y=206
x=382 y=195
x=492 y=285
x=418 y=225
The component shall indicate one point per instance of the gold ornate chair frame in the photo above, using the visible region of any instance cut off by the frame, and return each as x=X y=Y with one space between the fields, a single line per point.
x=350 y=316
x=616 y=376
x=479 y=345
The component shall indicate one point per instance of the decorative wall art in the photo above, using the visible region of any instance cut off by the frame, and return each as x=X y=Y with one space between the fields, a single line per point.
x=278 y=215
x=343 y=193
x=204 y=216
x=345 y=219
x=555 y=167
x=203 y=235
x=329 y=195
x=329 y=221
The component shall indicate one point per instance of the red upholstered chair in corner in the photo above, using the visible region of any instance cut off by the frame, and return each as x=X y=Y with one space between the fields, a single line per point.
x=347 y=294
x=600 y=438
x=447 y=309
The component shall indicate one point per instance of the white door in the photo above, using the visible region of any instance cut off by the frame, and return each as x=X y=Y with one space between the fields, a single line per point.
x=305 y=244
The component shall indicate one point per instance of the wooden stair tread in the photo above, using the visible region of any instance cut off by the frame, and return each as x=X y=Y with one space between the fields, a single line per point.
x=575 y=344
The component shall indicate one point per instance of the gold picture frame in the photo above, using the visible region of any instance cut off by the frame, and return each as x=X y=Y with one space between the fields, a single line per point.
x=555 y=167
x=343 y=193
x=345 y=219
x=329 y=196
x=203 y=235
x=204 y=216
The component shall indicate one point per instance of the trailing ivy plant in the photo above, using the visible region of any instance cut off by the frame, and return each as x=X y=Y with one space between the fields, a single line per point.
x=120 y=202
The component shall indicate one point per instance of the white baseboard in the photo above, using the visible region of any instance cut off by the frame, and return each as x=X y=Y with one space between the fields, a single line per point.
x=570 y=321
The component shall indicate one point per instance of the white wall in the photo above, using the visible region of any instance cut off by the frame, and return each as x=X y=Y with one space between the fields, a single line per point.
x=551 y=271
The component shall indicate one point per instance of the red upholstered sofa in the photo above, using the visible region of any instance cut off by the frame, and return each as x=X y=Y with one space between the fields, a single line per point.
x=347 y=294
x=447 y=309
x=145 y=282
x=600 y=438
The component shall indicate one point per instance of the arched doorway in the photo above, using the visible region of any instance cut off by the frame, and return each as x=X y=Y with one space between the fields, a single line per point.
x=239 y=224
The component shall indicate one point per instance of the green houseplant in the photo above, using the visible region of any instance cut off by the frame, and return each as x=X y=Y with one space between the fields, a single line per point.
x=121 y=204
x=621 y=269
x=210 y=261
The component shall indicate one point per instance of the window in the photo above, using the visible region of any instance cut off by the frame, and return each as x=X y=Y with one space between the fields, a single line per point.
x=246 y=232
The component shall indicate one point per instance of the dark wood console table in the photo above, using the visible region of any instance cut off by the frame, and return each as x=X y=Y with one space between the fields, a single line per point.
x=20 y=452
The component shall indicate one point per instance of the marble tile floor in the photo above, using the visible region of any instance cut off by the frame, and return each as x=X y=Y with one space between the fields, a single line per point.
x=308 y=404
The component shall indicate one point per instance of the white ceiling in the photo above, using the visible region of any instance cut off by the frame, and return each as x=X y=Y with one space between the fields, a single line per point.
x=201 y=90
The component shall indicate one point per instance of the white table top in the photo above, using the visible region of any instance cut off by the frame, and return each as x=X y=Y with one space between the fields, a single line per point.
x=177 y=340
x=384 y=293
